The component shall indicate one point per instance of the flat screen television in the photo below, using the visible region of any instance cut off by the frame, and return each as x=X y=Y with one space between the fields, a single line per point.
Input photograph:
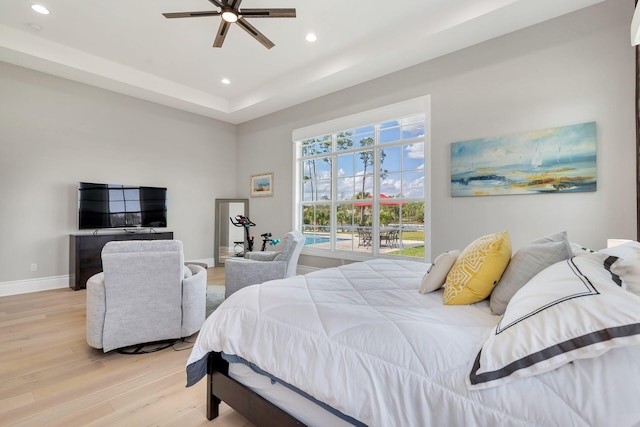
x=121 y=206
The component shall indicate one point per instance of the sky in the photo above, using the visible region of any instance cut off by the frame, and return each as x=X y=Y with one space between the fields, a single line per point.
x=403 y=164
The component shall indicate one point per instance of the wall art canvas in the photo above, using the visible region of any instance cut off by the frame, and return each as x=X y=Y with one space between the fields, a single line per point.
x=555 y=160
x=261 y=185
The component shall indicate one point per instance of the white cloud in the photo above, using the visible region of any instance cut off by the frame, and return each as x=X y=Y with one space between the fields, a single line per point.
x=414 y=188
x=390 y=186
x=415 y=151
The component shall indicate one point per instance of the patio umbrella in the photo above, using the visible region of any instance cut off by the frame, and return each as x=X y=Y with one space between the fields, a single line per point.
x=390 y=201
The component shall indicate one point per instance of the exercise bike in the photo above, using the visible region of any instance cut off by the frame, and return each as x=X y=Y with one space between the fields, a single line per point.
x=239 y=247
x=266 y=238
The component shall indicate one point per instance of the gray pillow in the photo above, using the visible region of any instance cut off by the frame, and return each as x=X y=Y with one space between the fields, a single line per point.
x=525 y=264
x=187 y=271
x=262 y=255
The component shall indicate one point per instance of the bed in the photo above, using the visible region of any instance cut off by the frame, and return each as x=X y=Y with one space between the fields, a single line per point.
x=359 y=345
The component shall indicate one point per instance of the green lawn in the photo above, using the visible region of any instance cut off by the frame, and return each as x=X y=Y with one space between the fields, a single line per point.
x=417 y=251
x=413 y=235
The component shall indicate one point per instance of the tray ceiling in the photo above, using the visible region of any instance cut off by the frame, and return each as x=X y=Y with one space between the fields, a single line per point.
x=129 y=47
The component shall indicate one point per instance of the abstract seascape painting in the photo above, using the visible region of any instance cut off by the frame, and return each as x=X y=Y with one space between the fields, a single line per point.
x=555 y=160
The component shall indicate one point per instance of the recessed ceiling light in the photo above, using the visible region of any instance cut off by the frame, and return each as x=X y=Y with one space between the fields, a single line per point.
x=311 y=37
x=225 y=81
x=40 y=9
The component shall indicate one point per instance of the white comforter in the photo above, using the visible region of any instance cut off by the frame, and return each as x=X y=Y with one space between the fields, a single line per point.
x=363 y=340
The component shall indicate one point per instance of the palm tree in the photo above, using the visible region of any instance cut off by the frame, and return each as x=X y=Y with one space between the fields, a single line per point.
x=342 y=216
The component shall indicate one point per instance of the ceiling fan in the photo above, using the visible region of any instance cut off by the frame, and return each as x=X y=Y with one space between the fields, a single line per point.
x=230 y=13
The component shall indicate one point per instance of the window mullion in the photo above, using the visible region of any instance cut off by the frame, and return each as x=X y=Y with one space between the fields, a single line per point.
x=333 y=231
x=375 y=211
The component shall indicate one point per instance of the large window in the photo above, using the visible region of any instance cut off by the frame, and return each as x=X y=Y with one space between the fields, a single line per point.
x=361 y=190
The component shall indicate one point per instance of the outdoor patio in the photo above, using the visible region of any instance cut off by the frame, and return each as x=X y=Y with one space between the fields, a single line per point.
x=353 y=241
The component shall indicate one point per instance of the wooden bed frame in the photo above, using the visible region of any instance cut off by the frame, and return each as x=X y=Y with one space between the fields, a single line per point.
x=252 y=406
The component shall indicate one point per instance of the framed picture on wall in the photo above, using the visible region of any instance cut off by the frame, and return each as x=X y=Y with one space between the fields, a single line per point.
x=553 y=160
x=261 y=185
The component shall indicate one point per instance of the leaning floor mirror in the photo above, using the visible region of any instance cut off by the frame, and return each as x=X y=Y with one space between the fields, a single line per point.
x=229 y=239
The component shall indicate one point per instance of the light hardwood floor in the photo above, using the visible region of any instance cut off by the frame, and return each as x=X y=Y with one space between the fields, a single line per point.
x=49 y=376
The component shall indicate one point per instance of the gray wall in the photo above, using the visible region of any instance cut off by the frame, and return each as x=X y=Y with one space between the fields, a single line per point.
x=577 y=68
x=574 y=69
x=54 y=133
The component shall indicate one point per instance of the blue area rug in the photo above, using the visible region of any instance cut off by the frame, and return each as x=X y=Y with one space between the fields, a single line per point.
x=215 y=296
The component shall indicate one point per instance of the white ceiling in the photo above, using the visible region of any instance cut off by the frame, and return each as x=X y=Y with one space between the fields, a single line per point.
x=128 y=46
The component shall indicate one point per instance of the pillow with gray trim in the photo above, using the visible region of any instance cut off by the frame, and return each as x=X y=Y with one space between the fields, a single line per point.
x=579 y=249
x=575 y=309
x=437 y=274
x=526 y=263
x=628 y=267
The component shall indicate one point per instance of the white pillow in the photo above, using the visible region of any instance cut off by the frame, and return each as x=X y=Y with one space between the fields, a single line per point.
x=579 y=249
x=625 y=251
x=437 y=273
x=628 y=267
x=571 y=310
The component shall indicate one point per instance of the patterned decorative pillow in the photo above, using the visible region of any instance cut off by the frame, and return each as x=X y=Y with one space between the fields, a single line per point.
x=526 y=263
x=478 y=269
x=573 y=310
x=437 y=273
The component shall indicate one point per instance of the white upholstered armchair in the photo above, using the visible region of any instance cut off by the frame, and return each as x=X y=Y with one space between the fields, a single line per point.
x=258 y=267
x=144 y=294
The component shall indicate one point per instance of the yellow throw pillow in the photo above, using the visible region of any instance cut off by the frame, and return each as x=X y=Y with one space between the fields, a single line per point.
x=478 y=269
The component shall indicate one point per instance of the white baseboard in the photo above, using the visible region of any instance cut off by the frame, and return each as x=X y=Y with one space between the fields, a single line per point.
x=58 y=282
x=33 y=285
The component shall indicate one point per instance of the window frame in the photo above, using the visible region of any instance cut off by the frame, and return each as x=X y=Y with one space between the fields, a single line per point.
x=378 y=116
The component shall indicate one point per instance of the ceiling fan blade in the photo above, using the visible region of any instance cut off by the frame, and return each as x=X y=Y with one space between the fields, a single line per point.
x=234 y=4
x=217 y=3
x=255 y=33
x=268 y=13
x=190 y=14
x=223 y=29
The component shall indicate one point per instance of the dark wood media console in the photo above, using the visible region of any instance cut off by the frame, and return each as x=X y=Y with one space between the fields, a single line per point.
x=85 y=249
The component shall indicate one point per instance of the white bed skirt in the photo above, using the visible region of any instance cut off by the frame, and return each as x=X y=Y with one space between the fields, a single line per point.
x=298 y=406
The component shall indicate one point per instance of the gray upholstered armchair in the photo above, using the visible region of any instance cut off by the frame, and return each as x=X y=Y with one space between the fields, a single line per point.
x=144 y=294
x=258 y=267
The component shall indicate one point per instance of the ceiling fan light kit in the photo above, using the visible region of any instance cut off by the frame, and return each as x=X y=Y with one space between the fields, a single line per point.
x=229 y=16
x=231 y=13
